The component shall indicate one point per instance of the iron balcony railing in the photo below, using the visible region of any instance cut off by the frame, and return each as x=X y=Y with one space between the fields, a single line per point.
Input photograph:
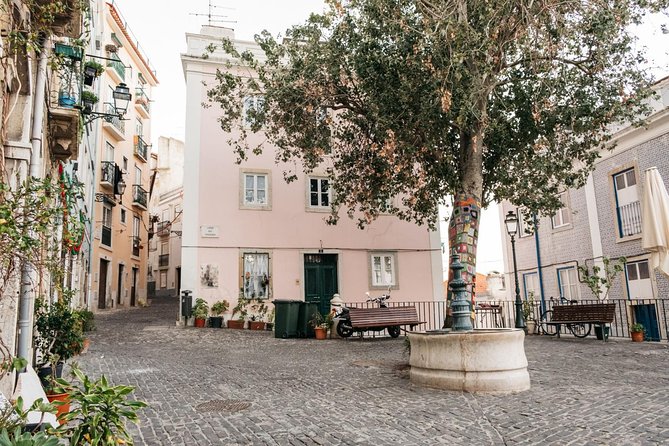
x=140 y=147
x=136 y=243
x=163 y=228
x=163 y=260
x=139 y=195
x=107 y=175
x=117 y=65
x=114 y=119
x=106 y=235
x=629 y=219
x=142 y=99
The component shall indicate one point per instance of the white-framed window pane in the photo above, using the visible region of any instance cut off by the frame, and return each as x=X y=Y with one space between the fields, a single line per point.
x=632 y=271
x=255 y=190
x=631 y=178
x=620 y=182
x=561 y=217
x=568 y=283
x=639 y=282
x=255 y=277
x=383 y=269
x=319 y=192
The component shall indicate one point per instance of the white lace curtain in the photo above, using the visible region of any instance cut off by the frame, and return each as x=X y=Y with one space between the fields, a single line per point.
x=256 y=276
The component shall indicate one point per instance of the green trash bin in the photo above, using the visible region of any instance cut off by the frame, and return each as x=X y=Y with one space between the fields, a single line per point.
x=285 y=318
x=306 y=313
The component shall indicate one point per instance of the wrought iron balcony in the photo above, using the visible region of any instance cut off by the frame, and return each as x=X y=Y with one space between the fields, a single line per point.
x=629 y=219
x=141 y=148
x=163 y=260
x=117 y=65
x=107 y=174
x=113 y=123
x=139 y=196
x=142 y=102
x=163 y=228
x=106 y=235
x=136 y=244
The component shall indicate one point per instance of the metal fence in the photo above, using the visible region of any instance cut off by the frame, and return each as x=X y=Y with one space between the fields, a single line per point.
x=502 y=314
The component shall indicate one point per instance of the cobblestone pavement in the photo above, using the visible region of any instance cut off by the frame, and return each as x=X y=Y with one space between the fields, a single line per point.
x=357 y=392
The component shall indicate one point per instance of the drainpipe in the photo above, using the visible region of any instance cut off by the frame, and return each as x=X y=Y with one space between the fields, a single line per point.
x=29 y=273
x=541 y=274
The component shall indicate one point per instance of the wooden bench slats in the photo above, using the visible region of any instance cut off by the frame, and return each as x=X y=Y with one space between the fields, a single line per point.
x=592 y=313
x=381 y=317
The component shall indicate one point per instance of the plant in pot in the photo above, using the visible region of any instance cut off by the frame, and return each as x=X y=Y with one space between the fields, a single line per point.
x=240 y=309
x=321 y=324
x=217 y=309
x=528 y=313
x=88 y=100
x=269 y=326
x=638 y=332
x=200 y=312
x=92 y=69
x=258 y=313
x=600 y=281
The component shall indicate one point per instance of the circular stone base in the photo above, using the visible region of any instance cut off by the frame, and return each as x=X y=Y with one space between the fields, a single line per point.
x=485 y=360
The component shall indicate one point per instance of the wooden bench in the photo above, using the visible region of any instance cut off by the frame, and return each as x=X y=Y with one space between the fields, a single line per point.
x=598 y=314
x=370 y=318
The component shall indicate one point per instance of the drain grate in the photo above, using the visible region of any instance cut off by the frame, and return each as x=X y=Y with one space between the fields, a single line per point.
x=223 y=406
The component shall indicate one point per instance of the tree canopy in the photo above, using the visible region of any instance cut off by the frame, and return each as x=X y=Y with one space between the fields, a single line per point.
x=420 y=99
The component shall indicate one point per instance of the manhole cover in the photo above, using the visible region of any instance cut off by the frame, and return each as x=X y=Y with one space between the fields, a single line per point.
x=223 y=406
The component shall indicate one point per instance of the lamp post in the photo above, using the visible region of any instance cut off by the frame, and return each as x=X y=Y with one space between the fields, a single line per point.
x=511 y=222
x=121 y=97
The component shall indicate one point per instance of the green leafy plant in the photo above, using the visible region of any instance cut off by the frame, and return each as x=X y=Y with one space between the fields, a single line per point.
x=200 y=309
x=220 y=307
x=89 y=96
x=17 y=438
x=58 y=330
x=637 y=328
x=601 y=279
x=93 y=65
x=99 y=412
x=322 y=321
x=528 y=307
x=87 y=319
x=241 y=308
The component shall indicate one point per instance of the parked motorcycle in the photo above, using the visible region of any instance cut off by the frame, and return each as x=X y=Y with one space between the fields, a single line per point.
x=345 y=328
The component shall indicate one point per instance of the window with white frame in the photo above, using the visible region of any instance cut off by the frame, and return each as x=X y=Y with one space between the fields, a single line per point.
x=383 y=269
x=639 y=283
x=531 y=285
x=253 y=106
x=255 y=275
x=628 y=206
x=163 y=279
x=561 y=217
x=255 y=189
x=319 y=192
x=123 y=218
x=568 y=283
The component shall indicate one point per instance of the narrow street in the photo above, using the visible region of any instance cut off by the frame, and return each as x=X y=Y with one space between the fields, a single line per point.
x=234 y=387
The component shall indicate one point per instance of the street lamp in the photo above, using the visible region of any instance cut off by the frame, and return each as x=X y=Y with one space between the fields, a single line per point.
x=511 y=222
x=119 y=187
x=121 y=96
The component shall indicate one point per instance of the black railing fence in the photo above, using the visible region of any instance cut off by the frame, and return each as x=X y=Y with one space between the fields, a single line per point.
x=502 y=314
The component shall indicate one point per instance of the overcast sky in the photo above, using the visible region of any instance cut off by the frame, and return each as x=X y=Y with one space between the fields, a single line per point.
x=161 y=25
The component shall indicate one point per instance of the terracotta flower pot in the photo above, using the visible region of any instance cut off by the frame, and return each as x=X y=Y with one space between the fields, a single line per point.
x=256 y=325
x=200 y=322
x=236 y=323
x=63 y=408
x=321 y=333
x=637 y=336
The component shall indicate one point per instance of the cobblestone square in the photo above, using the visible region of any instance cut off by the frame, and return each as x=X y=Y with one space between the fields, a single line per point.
x=234 y=387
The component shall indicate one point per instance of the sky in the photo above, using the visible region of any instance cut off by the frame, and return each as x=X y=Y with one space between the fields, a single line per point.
x=161 y=26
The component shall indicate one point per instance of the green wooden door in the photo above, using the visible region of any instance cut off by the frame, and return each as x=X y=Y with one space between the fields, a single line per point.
x=320 y=279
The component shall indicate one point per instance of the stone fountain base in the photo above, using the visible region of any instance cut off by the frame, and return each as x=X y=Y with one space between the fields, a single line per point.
x=485 y=360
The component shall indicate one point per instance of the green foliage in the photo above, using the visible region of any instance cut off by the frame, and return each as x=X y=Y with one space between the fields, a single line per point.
x=58 y=330
x=600 y=279
x=99 y=412
x=419 y=100
x=637 y=328
x=17 y=438
x=200 y=309
x=220 y=307
x=240 y=308
x=528 y=307
x=323 y=321
x=86 y=319
x=256 y=309
x=89 y=96
x=99 y=68
x=15 y=416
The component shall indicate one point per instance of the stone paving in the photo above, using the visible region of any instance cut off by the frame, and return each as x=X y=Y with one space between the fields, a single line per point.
x=267 y=391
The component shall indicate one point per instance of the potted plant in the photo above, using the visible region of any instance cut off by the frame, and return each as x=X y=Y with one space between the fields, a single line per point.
x=321 y=324
x=88 y=100
x=200 y=312
x=220 y=307
x=258 y=312
x=599 y=281
x=528 y=313
x=638 y=332
x=240 y=309
x=92 y=69
x=269 y=326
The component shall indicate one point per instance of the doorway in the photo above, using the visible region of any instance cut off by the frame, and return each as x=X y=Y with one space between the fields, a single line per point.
x=133 y=287
x=178 y=273
x=320 y=279
x=102 y=284
x=119 y=295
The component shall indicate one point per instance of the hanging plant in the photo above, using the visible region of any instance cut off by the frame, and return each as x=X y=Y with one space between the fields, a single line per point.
x=93 y=68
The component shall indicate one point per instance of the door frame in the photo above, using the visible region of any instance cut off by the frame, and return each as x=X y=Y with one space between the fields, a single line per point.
x=102 y=286
x=303 y=254
x=119 y=294
x=133 y=287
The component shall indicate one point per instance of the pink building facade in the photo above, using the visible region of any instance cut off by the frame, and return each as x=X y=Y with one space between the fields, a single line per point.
x=246 y=232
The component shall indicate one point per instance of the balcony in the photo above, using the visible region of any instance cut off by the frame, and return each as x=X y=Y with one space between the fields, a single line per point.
x=163 y=228
x=139 y=196
x=116 y=68
x=113 y=124
x=107 y=174
x=141 y=148
x=65 y=20
x=629 y=219
x=136 y=246
x=142 y=103
x=106 y=236
x=64 y=116
x=164 y=261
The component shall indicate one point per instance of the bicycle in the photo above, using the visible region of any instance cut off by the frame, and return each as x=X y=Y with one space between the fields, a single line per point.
x=580 y=330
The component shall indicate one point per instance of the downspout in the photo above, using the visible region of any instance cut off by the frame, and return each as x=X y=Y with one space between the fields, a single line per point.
x=28 y=272
x=539 y=271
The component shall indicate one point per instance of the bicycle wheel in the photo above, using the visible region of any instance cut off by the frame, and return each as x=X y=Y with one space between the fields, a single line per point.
x=580 y=330
x=550 y=330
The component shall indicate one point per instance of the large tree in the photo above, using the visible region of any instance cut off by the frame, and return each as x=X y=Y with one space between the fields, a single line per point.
x=479 y=100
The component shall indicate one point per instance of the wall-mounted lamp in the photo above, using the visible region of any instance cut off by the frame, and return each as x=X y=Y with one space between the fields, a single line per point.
x=121 y=97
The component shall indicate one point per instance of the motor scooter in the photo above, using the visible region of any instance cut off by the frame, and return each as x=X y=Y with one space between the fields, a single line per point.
x=345 y=328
